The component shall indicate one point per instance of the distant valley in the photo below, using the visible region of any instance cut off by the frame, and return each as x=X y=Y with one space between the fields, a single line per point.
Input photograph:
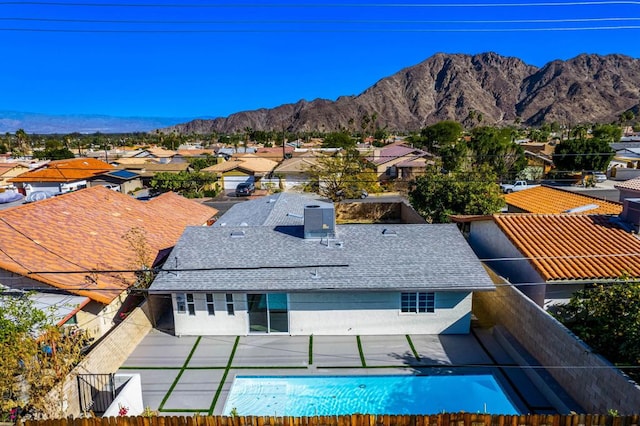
x=10 y=121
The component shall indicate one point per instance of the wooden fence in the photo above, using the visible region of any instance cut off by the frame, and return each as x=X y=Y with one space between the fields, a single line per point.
x=459 y=419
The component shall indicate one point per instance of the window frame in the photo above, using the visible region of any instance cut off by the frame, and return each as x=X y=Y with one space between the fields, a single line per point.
x=191 y=304
x=417 y=302
x=211 y=306
x=181 y=303
x=231 y=308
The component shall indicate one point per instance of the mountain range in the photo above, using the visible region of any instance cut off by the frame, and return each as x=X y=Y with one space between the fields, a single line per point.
x=482 y=89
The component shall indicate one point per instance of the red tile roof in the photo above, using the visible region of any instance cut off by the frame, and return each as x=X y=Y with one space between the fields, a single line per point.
x=547 y=200
x=573 y=247
x=83 y=231
x=65 y=171
x=632 y=184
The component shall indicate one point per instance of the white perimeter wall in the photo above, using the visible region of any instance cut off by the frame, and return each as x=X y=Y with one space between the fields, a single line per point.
x=334 y=314
x=489 y=242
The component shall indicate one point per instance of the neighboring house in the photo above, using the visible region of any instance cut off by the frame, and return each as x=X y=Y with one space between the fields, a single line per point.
x=276 y=153
x=73 y=245
x=124 y=181
x=550 y=256
x=124 y=162
x=11 y=170
x=551 y=200
x=300 y=274
x=293 y=172
x=183 y=155
x=629 y=188
x=228 y=152
x=148 y=170
x=247 y=168
x=60 y=176
x=161 y=155
x=399 y=161
x=539 y=163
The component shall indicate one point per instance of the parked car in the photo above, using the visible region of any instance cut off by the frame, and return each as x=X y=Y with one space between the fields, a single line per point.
x=245 y=188
x=599 y=177
x=519 y=185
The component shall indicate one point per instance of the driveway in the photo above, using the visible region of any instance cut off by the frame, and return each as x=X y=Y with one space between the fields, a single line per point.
x=189 y=375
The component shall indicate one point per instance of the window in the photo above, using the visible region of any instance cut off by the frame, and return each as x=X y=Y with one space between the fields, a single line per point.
x=230 y=307
x=210 y=308
x=181 y=306
x=418 y=302
x=191 y=305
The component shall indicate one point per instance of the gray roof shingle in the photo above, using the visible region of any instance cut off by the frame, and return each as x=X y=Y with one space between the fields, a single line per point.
x=361 y=257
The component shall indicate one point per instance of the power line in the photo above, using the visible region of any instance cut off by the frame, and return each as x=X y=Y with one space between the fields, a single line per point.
x=319 y=31
x=301 y=21
x=322 y=5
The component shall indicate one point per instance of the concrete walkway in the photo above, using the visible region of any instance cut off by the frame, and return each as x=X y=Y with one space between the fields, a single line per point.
x=188 y=375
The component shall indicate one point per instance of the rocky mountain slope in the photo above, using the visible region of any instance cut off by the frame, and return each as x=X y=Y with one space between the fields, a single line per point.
x=480 y=89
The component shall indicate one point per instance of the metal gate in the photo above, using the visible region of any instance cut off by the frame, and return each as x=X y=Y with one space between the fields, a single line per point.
x=96 y=392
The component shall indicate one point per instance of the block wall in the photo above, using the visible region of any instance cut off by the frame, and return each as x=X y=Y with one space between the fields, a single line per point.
x=590 y=379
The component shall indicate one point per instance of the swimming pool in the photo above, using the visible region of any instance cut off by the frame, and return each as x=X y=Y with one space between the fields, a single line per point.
x=397 y=394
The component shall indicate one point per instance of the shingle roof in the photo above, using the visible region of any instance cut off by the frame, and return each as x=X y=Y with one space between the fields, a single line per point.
x=65 y=171
x=284 y=208
x=547 y=200
x=393 y=152
x=251 y=164
x=83 y=231
x=573 y=247
x=632 y=184
x=362 y=257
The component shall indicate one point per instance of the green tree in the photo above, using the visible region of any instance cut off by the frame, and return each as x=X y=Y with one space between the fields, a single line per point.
x=607 y=318
x=36 y=356
x=442 y=134
x=437 y=196
x=338 y=140
x=494 y=147
x=607 y=132
x=53 y=154
x=582 y=154
x=187 y=184
x=198 y=164
x=343 y=175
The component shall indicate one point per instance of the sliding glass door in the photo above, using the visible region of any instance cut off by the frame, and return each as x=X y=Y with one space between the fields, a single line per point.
x=268 y=313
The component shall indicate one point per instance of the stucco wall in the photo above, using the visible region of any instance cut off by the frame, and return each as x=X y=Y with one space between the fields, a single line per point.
x=375 y=313
x=105 y=357
x=586 y=376
x=334 y=314
x=97 y=318
x=219 y=324
x=489 y=242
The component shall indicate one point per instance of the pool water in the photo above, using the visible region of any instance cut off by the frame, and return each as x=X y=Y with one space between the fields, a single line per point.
x=335 y=395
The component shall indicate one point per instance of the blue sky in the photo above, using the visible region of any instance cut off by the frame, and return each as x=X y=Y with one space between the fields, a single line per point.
x=197 y=58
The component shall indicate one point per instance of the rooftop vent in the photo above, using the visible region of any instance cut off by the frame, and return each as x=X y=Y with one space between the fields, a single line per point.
x=319 y=221
x=237 y=234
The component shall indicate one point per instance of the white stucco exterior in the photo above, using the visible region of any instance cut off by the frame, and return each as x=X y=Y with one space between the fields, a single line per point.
x=489 y=242
x=333 y=313
x=54 y=187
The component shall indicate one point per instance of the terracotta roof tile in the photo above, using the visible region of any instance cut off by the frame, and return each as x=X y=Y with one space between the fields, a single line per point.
x=632 y=184
x=547 y=200
x=65 y=171
x=83 y=231
x=573 y=247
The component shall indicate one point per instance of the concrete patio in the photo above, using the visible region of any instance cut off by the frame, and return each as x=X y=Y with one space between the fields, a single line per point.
x=189 y=375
